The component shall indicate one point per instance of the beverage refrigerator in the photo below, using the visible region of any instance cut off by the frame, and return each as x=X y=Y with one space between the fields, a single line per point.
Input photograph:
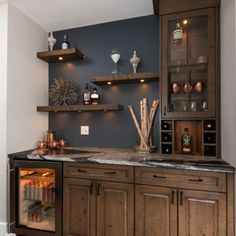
x=35 y=198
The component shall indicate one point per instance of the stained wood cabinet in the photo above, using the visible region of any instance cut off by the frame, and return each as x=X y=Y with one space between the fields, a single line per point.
x=202 y=213
x=155 y=211
x=94 y=206
x=115 y=200
x=79 y=207
x=170 y=212
x=185 y=203
x=115 y=207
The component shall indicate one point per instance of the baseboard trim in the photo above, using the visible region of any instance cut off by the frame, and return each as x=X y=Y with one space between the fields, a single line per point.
x=3 y=229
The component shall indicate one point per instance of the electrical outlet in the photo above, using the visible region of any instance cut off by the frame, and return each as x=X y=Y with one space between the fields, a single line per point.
x=84 y=130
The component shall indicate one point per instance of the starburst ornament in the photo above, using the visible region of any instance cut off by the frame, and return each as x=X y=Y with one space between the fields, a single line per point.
x=64 y=92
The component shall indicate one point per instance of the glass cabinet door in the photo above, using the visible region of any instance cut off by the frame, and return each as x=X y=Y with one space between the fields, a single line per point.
x=37 y=198
x=188 y=64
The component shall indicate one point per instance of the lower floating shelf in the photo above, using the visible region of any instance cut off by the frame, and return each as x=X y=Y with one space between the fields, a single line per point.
x=80 y=108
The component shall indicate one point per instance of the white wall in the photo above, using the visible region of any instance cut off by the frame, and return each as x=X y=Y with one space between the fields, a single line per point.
x=24 y=86
x=228 y=81
x=3 y=113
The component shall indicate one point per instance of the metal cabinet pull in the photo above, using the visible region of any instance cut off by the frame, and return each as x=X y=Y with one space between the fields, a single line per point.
x=196 y=180
x=82 y=171
x=181 y=200
x=159 y=177
x=110 y=172
x=99 y=189
x=164 y=110
x=91 y=188
x=173 y=197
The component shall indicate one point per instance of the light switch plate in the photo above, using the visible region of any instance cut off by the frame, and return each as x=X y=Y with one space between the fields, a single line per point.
x=84 y=130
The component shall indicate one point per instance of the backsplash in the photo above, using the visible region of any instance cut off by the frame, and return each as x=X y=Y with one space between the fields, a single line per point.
x=108 y=129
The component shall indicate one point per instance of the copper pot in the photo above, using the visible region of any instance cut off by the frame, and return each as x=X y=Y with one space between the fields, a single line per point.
x=41 y=145
x=50 y=137
x=53 y=144
x=198 y=87
x=188 y=87
x=176 y=88
x=62 y=143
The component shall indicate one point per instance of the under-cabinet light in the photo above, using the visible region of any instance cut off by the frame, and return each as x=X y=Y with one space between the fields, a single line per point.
x=185 y=22
x=142 y=81
x=109 y=83
x=60 y=58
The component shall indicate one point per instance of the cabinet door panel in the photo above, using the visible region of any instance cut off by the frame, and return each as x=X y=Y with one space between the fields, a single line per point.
x=79 y=207
x=115 y=209
x=155 y=211
x=202 y=213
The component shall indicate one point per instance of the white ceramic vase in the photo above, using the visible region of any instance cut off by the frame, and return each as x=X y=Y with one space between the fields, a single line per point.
x=51 y=41
x=135 y=60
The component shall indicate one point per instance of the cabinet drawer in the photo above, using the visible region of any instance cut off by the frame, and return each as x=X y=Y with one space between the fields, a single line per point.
x=199 y=180
x=99 y=172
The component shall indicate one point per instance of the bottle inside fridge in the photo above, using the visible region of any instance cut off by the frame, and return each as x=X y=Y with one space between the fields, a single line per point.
x=37 y=198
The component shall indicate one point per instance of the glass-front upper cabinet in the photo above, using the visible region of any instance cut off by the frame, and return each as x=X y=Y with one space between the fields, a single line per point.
x=189 y=64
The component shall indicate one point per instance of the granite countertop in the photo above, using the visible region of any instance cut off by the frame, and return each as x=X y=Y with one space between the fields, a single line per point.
x=125 y=157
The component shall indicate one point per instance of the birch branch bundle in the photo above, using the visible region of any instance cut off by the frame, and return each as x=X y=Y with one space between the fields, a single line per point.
x=147 y=119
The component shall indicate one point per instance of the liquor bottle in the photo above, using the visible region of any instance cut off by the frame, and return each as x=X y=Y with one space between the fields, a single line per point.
x=178 y=34
x=186 y=142
x=65 y=43
x=95 y=97
x=86 y=95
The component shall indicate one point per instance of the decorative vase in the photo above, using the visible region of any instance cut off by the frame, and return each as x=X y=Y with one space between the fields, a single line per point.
x=135 y=60
x=51 y=41
x=115 y=56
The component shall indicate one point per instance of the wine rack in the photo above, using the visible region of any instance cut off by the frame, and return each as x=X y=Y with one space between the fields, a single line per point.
x=166 y=137
x=203 y=133
x=209 y=138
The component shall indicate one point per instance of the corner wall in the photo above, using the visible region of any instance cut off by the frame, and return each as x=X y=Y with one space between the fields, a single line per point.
x=23 y=87
x=228 y=81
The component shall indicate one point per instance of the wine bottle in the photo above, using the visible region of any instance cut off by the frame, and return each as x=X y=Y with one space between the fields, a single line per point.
x=65 y=43
x=178 y=34
x=95 y=97
x=86 y=95
x=186 y=142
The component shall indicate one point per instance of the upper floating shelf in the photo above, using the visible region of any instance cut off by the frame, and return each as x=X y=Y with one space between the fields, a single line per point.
x=80 y=108
x=61 y=55
x=126 y=78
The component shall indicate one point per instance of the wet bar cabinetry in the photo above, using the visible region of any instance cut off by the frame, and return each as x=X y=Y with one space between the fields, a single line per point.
x=190 y=75
x=117 y=200
x=98 y=200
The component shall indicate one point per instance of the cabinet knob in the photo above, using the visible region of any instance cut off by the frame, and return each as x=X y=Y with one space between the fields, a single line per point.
x=91 y=188
x=196 y=180
x=181 y=198
x=173 y=197
x=110 y=172
x=99 y=189
x=159 y=177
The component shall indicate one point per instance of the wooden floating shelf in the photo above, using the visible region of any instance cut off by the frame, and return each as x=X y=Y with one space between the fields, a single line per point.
x=80 y=108
x=61 y=55
x=126 y=79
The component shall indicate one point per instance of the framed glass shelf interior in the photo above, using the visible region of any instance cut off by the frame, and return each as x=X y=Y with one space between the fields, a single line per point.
x=188 y=65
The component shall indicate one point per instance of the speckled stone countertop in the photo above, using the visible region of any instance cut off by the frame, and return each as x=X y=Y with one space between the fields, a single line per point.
x=125 y=157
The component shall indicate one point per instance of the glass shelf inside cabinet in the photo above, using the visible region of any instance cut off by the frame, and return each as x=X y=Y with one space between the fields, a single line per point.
x=188 y=65
x=37 y=198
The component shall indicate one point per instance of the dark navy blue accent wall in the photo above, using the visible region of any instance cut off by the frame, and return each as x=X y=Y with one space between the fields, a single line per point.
x=108 y=129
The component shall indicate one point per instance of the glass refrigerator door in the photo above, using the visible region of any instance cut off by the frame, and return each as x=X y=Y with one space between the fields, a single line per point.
x=37 y=198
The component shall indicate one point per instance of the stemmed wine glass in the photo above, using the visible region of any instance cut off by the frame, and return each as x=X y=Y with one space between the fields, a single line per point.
x=115 y=56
